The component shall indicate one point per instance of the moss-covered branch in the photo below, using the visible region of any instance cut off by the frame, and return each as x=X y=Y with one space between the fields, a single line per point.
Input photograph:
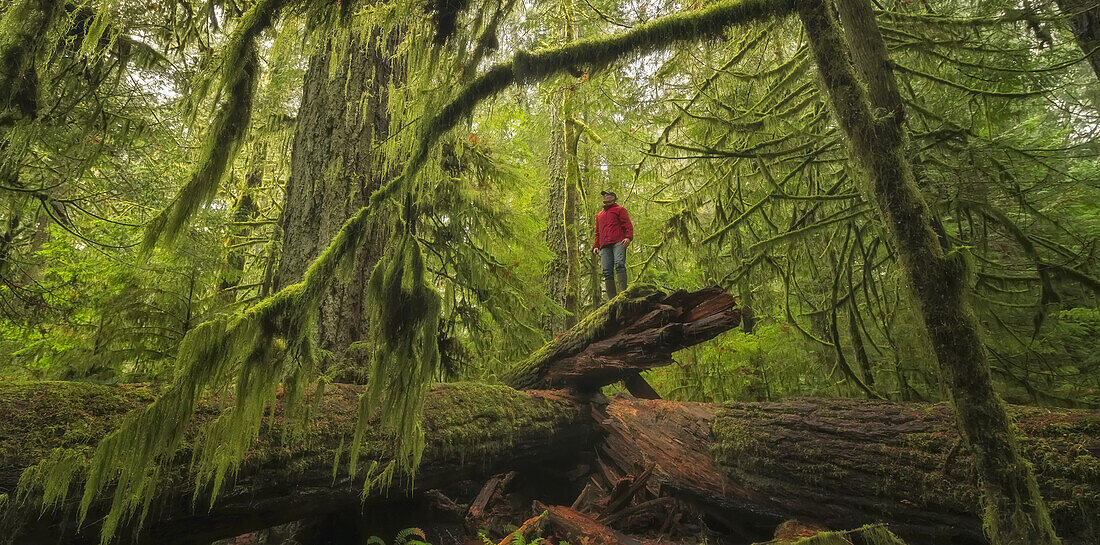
x=240 y=67
x=595 y=53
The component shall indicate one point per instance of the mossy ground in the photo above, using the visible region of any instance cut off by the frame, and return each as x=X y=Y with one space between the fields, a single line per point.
x=874 y=534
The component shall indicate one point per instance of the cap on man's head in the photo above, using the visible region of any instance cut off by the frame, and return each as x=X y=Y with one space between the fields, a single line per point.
x=612 y=193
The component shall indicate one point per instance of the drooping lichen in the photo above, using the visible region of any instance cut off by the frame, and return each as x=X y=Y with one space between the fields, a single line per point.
x=405 y=360
x=239 y=70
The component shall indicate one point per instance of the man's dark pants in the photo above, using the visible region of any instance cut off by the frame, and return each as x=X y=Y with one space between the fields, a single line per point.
x=613 y=261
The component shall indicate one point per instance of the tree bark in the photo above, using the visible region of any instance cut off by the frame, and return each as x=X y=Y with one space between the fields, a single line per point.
x=1083 y=17
x=637 y=331
x=335 y=166
x=557 y=271
x=1015 y=511
x=472 y=431
x=563 y=275
x=843 y=463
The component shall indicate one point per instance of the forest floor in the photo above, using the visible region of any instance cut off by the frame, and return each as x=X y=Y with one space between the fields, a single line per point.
x=502 y=512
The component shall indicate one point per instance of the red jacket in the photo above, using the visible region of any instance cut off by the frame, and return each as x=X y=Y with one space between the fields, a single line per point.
x=612 y=225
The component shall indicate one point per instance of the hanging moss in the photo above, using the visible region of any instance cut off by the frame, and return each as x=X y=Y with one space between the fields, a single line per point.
x=23 y=30
x=240 y=67
x=466 y=425
x=405 y=360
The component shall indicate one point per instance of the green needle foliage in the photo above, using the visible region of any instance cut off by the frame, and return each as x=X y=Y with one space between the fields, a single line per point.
x=710 y=121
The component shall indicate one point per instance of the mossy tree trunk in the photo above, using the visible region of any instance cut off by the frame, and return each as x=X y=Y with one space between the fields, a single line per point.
x=591 y=261
x=1015 y=511
x=1083 y=17
x=335 y=166
x=563 y=275
x=839 y=462
x=557 y=272
x=24 y=27
x=572 y=206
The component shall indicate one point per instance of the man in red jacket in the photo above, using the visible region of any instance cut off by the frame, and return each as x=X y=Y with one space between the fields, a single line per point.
x=613 y=234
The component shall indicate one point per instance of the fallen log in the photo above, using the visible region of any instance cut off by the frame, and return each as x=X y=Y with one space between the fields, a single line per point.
x=472 y=431
x=844 y=463
x=638 y=330
x=839 y=463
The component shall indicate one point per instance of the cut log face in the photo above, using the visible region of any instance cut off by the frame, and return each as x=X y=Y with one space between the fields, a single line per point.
x=636 y=331
x=843 y=463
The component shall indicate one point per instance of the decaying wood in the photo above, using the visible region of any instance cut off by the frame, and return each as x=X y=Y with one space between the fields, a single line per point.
x=472 y=431
x=642 y=514
x=492 y=488
x=638 y=330
x=527 y=531
x=845 y=463
x=621 y=495
x=587 y=498
x=577 y=527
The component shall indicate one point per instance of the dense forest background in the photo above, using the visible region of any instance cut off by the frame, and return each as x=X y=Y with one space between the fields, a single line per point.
x=723 y=151
x=356 y=190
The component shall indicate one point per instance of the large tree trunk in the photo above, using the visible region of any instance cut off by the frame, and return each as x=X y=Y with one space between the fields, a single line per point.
x=1015 y=511
x=335 y=166
x=472 y=431
x=563 y=275
x=558 y=275
x=843 y=463
x=1083 y=17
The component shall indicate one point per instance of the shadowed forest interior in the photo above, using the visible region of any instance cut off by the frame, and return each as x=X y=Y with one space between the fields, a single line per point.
x=589 y=272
